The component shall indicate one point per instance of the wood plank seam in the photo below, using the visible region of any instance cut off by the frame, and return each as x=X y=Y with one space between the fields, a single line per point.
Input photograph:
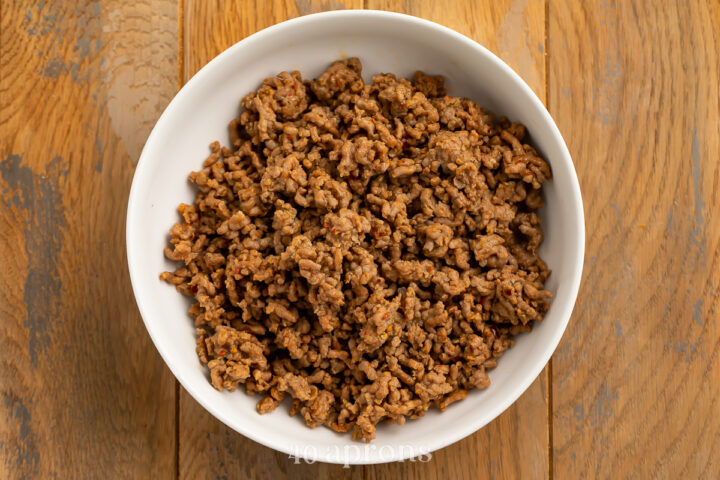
x=181 y=44
x=180 y=82
x=549 y=370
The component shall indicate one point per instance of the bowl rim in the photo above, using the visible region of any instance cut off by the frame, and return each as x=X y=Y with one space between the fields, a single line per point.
x=573 y=283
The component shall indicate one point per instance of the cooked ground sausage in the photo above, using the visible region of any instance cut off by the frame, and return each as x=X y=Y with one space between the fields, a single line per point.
x=368 y=250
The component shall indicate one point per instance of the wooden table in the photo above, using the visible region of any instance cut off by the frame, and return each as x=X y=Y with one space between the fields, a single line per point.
x=633 y=389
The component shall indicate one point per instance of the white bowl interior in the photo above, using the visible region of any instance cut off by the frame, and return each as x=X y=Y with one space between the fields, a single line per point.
x=200 y=114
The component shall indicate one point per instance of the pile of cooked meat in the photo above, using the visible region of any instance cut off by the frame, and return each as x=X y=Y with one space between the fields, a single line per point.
x=367 y=249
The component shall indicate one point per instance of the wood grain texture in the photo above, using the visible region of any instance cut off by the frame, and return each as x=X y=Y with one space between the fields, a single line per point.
x=212 y=26
x=209 y=449
x=636 y=380
x=84 y=393
x=515 y=445
x=512 y=29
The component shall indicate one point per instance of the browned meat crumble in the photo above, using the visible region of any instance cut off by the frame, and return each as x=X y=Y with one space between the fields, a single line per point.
x=369 y=250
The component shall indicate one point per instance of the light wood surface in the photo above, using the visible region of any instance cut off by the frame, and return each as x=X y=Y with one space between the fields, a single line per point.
x=632 y=391
x=84 y=393
x=634 y=88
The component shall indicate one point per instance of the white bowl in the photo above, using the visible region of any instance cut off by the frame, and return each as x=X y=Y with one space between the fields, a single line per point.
x=200 y=113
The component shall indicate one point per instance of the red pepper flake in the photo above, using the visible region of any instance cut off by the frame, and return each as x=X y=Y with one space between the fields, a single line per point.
x=482 y=301
x=237 y=271
x=193 y=289
x=334 y=231
x=326 y=225
x=222 y=351
x=402 y=105
x=291 y=136
x=385 y=316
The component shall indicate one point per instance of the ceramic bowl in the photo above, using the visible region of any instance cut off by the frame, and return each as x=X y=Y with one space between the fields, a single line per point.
x=200 y=113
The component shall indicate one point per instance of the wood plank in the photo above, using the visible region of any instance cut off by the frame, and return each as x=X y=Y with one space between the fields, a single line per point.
x=636 y=380
x=514 y=30
x=209 y=449
x=515 y=445
x=84 y=393
x=211 y=27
